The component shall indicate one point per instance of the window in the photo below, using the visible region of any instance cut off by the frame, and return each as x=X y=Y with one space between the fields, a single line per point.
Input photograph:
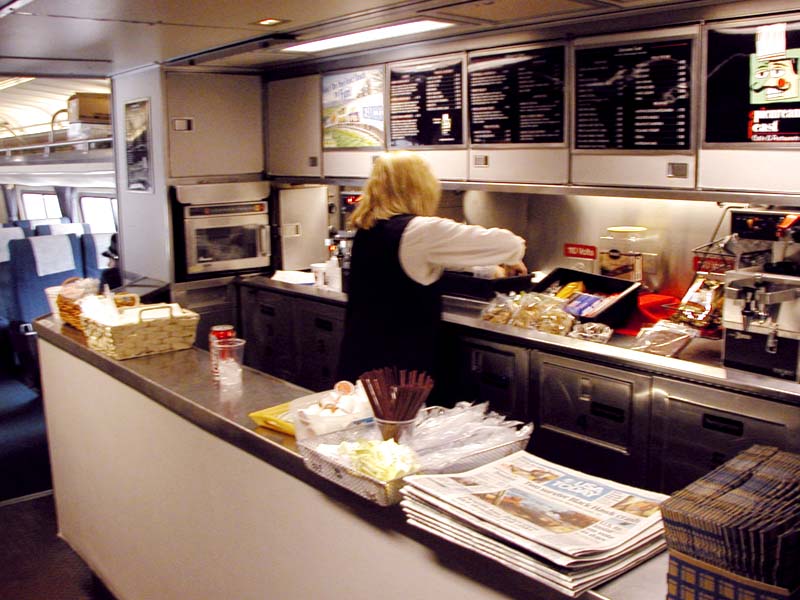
x=40 y=206
x=99 y=212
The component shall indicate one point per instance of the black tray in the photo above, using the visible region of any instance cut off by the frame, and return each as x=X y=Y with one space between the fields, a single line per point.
x=615 y=314
x=466 y=285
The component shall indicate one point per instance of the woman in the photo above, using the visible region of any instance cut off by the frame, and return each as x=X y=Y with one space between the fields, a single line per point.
x=399 y=253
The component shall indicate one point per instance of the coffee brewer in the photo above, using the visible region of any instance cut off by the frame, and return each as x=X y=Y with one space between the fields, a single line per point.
x=761 y=311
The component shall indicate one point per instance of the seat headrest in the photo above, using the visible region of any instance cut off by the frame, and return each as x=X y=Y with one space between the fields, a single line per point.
x=6 y=235
x=52 y=253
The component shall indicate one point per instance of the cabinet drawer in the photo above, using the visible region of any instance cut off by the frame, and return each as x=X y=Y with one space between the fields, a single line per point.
x=696 y=428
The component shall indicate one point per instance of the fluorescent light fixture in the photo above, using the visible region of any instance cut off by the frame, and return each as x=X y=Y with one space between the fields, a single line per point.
x=6 y=8
x=370 y=35
x=270 y=22
x=12 y=81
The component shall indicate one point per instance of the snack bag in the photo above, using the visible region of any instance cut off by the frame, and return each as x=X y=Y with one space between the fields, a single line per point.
x=500 y=309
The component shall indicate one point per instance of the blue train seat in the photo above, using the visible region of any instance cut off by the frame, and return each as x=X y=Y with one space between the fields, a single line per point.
x=39 y=262
x=62 y=229
x=93 y=245
x=7 y=302
x=29 y=225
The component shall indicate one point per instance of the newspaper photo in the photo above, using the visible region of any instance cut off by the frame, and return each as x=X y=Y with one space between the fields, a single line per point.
x=525 y=498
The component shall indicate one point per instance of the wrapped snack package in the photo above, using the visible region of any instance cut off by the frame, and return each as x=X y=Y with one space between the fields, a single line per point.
x=665 y=338
x=331 y=410
x=531 y=308
x=500 y=309
x=592 y=332
x=555 y=320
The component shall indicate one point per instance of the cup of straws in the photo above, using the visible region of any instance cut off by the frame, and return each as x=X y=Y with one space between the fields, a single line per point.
x=396 y=396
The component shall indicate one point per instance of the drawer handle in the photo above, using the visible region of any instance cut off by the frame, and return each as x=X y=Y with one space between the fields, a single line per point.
x=323 y=324
x=268 y=310
x=723 y=425
x=604 y=411
x=495 y=380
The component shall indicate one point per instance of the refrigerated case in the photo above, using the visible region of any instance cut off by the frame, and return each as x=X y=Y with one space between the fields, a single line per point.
x=301 y=226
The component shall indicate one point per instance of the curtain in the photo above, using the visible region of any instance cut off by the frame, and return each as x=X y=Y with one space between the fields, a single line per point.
x=10 y=201
x=68 y=201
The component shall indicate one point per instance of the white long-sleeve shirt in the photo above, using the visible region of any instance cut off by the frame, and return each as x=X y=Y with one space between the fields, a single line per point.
x=431 y=244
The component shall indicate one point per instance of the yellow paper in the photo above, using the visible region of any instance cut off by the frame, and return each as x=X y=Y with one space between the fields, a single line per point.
x=274 y=417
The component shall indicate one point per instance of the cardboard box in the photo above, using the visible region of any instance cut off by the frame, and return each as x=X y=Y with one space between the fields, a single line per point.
x=85 y=107
x=688 y=577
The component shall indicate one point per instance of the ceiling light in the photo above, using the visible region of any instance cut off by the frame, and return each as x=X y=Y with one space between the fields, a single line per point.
x=12 y=81
x=370 y=35
x=270 y=22
x=6 y=8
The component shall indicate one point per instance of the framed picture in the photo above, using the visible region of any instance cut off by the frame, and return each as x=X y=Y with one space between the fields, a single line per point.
x=137 y=145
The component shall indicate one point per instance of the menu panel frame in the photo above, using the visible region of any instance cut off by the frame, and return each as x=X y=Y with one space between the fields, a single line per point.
x=744 y=25
x=380 y=147
x=422 y=66
x=690 y=33
x=565 y=94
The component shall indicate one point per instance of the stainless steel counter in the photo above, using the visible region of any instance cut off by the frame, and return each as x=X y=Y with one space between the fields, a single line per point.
x=699 y=362
x=180 y=382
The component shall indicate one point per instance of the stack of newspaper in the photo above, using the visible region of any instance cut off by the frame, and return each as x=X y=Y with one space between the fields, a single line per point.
x=743 y=517
x=561 y=527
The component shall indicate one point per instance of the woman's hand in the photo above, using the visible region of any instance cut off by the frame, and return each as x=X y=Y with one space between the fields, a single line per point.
x=515 y=269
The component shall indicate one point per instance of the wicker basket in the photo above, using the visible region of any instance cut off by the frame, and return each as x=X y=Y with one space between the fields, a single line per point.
x=70 y=311
x=158 y=328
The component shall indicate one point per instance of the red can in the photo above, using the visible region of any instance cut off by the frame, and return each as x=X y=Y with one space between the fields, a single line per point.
x=218 y=332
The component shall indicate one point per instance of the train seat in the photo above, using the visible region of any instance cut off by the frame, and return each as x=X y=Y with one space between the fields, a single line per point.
x=62 y=229
x=29 y=225
x=93 y=245
x=7 y=302
x=39 y=262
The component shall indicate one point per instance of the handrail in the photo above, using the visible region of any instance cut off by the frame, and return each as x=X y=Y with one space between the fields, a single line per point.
x=50 y=145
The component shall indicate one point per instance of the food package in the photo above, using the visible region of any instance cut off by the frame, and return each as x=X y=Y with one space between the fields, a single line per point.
x=701 y=306
x=500 y=309
x=331 y=410
x=592 y=332
x=664 y=338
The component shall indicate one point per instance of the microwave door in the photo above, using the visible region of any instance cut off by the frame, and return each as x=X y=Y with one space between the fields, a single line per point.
x=226 y=243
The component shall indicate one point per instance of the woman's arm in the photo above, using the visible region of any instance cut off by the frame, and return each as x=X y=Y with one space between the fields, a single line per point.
x=429 y=244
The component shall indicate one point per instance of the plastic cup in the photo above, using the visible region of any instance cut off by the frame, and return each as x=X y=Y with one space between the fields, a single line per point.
x=228 y=355
x=399 y=431
x=52 y=294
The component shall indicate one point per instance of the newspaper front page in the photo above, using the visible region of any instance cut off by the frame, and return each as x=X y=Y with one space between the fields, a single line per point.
x=559 y=526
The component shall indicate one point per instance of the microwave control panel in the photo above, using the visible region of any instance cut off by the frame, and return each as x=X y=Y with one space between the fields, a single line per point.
x=215 y=210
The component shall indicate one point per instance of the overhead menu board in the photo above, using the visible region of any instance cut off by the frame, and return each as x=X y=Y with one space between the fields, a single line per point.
x=753 y=85
x=634 y=96
x=517 y=97
x=352 y=109
x=426 y=103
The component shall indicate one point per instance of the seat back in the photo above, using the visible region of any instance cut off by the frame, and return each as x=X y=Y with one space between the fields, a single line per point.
x=62 y=229
x=93 y=245
x=29 y=225
x=37 y=263
x=7 y=302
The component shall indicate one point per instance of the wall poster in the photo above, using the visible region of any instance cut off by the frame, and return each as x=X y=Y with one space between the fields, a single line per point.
x=426 y=103
x=753 y=85
x=634 y=96
x=517 y=96
x=352 y=109
x=137 y=145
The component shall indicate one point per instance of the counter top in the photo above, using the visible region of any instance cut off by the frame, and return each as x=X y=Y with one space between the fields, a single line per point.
x=180 y=382
x=699 y=362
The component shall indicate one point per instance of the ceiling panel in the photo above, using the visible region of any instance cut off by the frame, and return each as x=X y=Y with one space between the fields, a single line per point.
x=505 y=11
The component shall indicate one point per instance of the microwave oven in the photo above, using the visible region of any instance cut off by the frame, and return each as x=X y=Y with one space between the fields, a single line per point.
x=223 y=228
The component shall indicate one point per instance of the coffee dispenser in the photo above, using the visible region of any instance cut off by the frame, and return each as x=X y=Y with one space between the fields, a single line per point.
x=761 y=311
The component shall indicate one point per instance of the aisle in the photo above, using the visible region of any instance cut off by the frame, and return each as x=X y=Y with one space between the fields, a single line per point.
x=35 y=563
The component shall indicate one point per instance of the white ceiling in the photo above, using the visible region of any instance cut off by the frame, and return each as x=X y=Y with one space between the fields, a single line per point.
x=81 y=39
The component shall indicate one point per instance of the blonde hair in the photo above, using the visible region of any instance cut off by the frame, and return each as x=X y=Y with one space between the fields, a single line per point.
x=400 y=183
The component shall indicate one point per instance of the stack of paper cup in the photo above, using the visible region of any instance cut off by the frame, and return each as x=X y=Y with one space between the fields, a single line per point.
x=52 y=294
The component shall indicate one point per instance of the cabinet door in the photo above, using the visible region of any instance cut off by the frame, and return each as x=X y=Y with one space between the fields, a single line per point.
x=490 y=372
x=294 y=126
x=696 y=428
x=319 y=329
x=590 y=417
x=267 y=325
x=215 y=124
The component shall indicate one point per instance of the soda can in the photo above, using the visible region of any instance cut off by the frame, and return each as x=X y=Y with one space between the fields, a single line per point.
x=218 y=332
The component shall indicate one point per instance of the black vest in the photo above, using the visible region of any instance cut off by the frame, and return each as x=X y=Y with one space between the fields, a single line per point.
x=391 y=319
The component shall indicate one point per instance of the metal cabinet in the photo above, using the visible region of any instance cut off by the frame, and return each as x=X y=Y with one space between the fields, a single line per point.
x=696 y=428
x=294 y=135
x=267 y=325
x=483 y=371
x=318 y=331
x=213 y=299
x=590 y=417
